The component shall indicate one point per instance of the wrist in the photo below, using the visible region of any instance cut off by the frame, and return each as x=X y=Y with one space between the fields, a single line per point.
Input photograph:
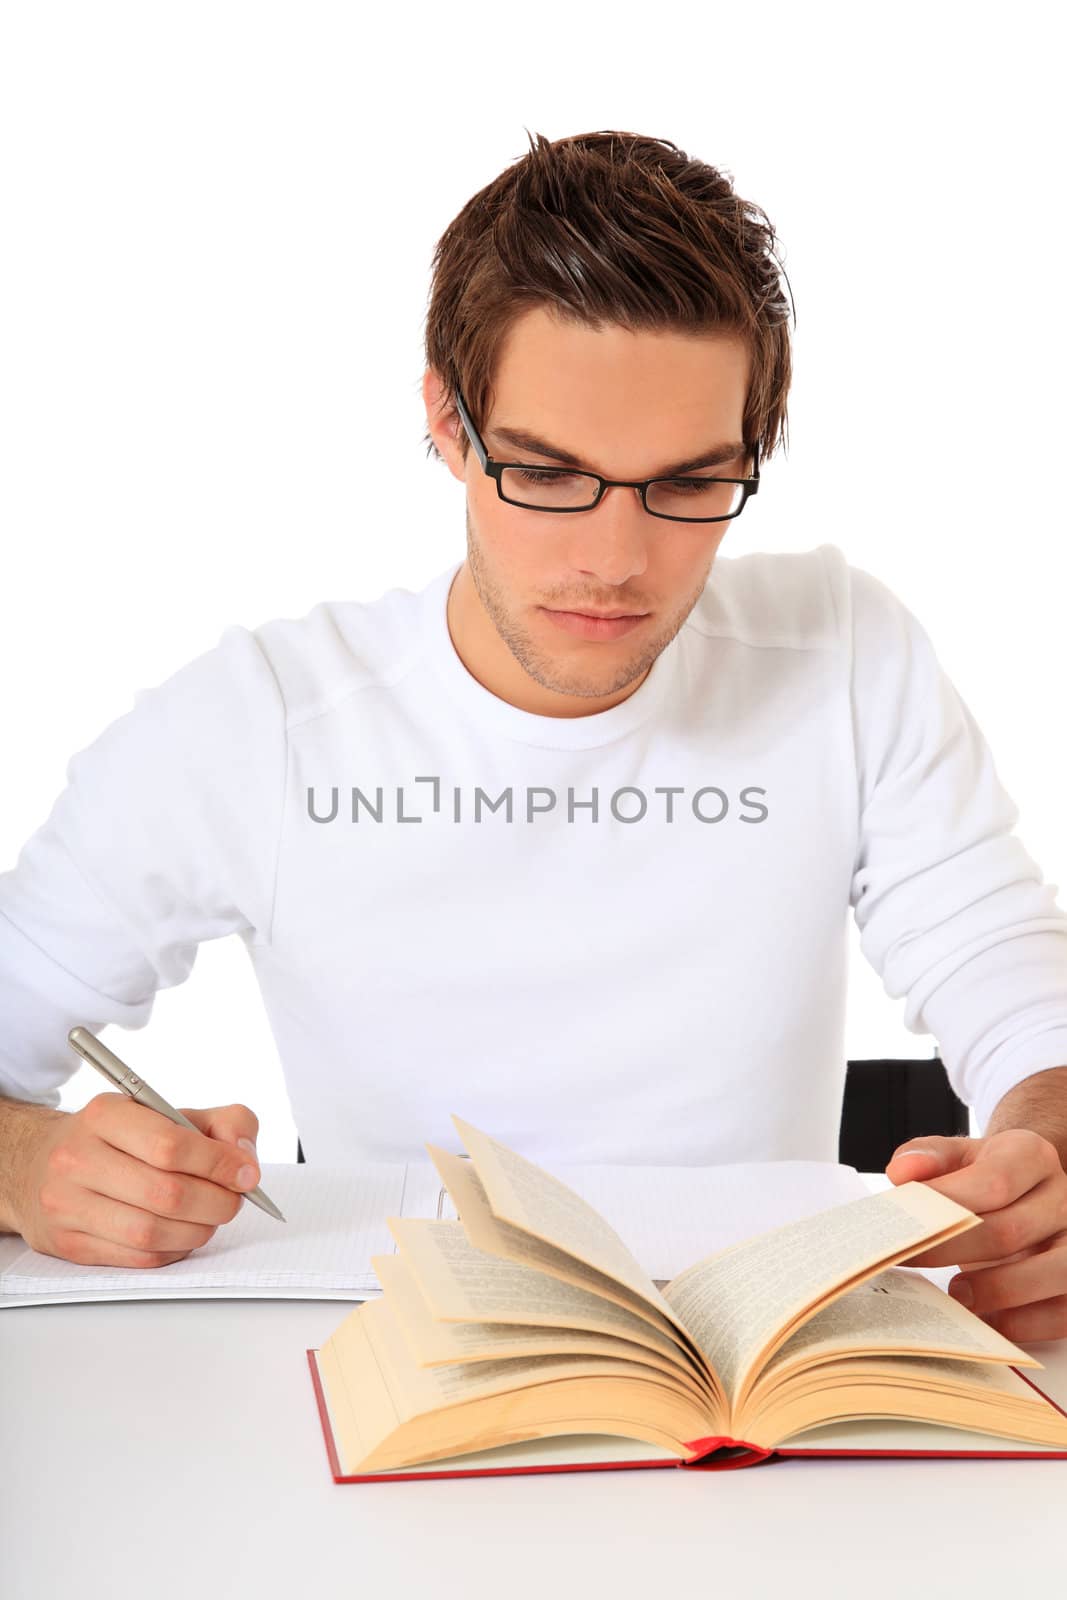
x=22 y=1126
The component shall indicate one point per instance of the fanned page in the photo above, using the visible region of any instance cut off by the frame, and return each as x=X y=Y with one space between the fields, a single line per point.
x=335 y=1222
x=525 y=1196
x=390 y=1412
x=435 y=1342
x=486 y=1232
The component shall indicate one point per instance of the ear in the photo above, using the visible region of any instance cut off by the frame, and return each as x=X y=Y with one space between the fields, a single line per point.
x=444 y=422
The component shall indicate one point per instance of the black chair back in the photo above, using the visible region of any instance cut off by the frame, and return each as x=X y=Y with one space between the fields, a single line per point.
x=888 y=1101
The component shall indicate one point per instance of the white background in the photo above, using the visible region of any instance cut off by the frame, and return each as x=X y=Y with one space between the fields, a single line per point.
x=218 y=222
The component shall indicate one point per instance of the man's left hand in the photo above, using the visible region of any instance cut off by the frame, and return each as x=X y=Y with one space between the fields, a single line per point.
x=1015 y=1261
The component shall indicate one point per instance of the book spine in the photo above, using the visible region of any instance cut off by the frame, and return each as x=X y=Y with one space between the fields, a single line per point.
x=721 y=1452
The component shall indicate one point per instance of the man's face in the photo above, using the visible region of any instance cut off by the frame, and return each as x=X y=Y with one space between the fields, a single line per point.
x=627 y=405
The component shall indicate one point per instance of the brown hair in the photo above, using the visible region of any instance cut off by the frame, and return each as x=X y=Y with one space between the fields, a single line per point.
x=609 y=228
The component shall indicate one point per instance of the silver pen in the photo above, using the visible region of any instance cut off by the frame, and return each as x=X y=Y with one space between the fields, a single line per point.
x=123 y=1077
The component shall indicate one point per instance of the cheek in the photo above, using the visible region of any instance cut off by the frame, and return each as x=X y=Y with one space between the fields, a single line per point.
x=682 y=560
x=514 y=541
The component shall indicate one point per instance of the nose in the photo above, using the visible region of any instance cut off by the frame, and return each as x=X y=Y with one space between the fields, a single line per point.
x=610 y=542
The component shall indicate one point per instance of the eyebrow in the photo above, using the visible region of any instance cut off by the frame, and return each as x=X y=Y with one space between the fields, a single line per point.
x=522 y=439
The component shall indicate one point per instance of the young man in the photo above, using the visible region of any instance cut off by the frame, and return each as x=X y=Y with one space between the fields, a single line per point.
x=568 y=839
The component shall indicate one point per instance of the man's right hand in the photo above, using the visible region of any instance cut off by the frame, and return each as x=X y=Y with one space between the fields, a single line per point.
x=117 y=1184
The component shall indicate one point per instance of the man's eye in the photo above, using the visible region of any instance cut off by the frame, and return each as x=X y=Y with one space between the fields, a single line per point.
x=543 y=475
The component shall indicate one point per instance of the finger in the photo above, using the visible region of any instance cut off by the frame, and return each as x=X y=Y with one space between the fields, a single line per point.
x=230 y=1124
x=1040 y=1276
x=81 y=1214
x=88 y=1167
x=929 y=1157
x=88 y=1251
x=1047 y=1319
x=103 y=1191
x=153 y=1139
x=972 y=1266
x=1003 y=1261
x=235 y=1125
x=1026 y=1224
x=1004 y=1168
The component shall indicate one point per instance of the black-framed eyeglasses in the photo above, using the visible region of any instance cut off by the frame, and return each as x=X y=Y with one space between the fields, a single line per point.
x=679 y=499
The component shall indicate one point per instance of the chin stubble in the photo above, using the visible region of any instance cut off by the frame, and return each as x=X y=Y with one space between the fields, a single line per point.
x=545 y=669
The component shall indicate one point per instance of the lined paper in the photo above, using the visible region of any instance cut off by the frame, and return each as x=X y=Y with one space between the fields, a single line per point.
x=335 y=1222
x=672 y=1217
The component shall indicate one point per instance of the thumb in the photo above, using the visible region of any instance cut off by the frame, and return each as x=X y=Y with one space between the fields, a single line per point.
x=236 y=1125
x=929 y=1157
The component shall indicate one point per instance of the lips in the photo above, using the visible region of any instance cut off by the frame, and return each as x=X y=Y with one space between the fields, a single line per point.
x=585 y=626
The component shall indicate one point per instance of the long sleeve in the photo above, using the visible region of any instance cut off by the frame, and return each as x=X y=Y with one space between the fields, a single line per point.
x=953 y=913
x=165 y=835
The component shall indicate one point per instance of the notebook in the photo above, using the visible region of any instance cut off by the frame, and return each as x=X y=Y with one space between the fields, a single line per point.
x=337 y=1220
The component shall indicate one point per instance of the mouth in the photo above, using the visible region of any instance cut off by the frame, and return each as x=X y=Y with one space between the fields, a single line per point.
x=586 y=625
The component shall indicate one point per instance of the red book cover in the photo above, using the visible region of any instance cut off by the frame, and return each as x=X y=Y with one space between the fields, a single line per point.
x=709 y=1455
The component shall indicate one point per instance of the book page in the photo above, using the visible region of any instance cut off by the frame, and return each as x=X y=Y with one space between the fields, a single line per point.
x=898 y=1311
x=740 y=1304
x=486 y=1232
x=970 y=1395
x=463 y=1284
x=529 y=1198
x=388 y=1411
x=948 y=1374
x=433 y=1343
x=414 y=1390
x=892 y=1436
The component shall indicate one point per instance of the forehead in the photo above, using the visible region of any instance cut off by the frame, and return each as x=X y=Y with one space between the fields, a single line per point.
x=578 y=384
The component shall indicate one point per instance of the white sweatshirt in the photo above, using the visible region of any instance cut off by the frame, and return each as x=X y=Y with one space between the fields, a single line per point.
x=617 y=937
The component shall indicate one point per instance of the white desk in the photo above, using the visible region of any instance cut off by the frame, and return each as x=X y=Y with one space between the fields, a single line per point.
x=160 y=1449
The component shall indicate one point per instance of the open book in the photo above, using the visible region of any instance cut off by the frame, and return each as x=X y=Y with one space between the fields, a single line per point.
x=524 y=1336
